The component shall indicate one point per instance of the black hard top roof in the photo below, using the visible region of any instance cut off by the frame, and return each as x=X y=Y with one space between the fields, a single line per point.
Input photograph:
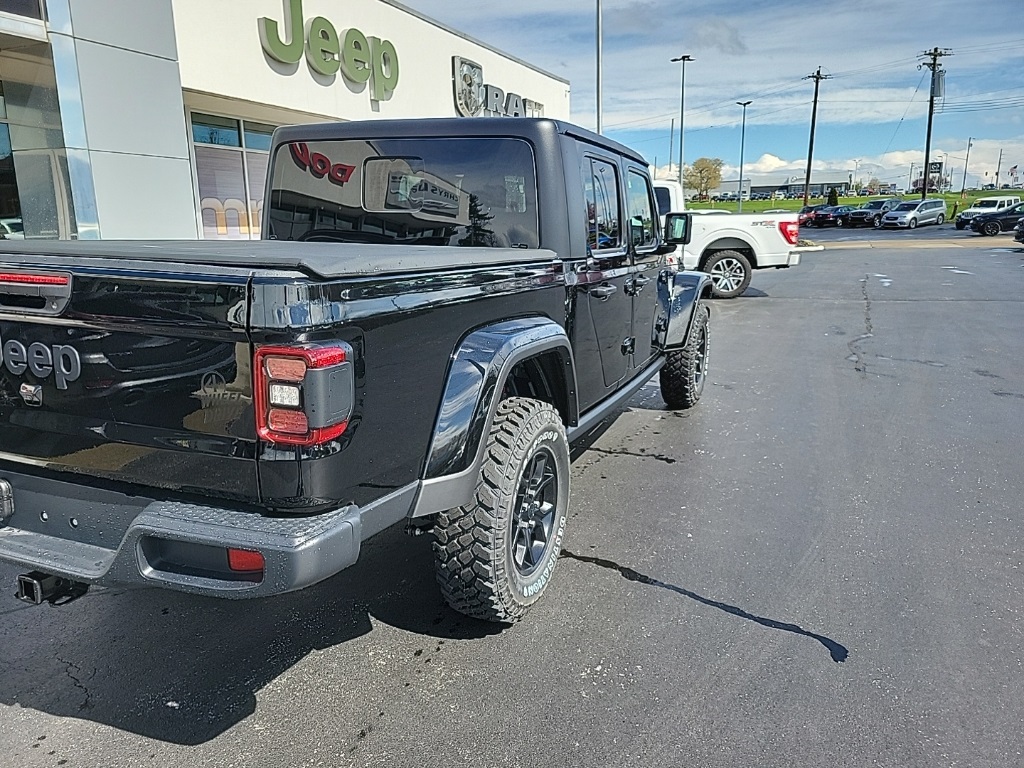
x=534 y=128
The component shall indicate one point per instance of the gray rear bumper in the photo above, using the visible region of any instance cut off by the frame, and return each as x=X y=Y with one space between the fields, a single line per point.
x=180 y=546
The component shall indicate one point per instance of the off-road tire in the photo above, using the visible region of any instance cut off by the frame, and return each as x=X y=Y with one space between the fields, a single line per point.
x=685 y=371
x=730 y=268
x=959 y=225
x=475 y=562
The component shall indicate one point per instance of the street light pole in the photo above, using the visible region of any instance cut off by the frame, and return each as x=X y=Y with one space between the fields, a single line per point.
x=963 y=189
x=856 y=169
x=600 y=63
x=682 y=115
x=743 y=139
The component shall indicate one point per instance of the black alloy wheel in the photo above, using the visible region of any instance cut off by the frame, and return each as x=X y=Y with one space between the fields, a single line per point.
x=536 y=507
x=991 y=228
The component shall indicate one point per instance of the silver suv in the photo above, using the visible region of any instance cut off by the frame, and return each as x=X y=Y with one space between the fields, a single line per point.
x=909 y=215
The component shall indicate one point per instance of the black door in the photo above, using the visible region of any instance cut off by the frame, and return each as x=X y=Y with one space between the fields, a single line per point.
x=642 y=284
x=604 y=277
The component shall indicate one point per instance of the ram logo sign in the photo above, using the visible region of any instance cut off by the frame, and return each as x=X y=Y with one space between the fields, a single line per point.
x=474 y=97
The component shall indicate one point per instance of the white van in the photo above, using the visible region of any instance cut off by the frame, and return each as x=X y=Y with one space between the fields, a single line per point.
x=984 y=205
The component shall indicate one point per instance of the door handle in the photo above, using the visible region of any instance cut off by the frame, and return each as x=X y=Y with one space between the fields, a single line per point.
x=641 y=281
x=603 y=291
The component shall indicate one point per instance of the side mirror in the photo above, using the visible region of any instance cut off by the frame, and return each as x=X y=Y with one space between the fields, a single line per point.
x=677 y=228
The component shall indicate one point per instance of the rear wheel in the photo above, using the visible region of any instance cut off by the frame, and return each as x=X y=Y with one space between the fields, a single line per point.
x=730 y=274
x=991 y=228
x=941 y=219
x=495 y=556
x=685 y=371
x=877 y=222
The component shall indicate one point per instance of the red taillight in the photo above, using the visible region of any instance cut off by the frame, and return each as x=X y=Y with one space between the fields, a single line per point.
x=245 y=560
x=20 y=278
x=790 y=230
x=303 y=395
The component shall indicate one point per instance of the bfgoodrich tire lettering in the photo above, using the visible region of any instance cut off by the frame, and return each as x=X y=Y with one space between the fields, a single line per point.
x=685 y=370
x=494 y=557
x=730 y=274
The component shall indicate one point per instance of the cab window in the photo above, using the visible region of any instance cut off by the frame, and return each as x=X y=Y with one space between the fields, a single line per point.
x=601 y=193
x=638 y=191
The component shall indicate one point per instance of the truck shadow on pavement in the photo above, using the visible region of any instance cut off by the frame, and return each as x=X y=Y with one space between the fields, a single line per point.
x=184 y=669
x=838 y=652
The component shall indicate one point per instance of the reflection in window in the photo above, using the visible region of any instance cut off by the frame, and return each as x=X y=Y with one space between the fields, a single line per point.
x=601 y=191
x=210 y=129
x=464 y=192
x=222 y=193
x=639 y=193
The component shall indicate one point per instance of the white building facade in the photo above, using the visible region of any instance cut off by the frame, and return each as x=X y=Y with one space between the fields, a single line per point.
x=152 y=118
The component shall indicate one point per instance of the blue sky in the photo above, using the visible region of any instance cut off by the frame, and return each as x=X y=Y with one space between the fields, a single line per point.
x=873 y=109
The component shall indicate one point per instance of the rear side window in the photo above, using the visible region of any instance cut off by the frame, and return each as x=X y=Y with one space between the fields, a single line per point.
x=638 y=191
x=664 y=200
x=601 y=193
x=470 y=192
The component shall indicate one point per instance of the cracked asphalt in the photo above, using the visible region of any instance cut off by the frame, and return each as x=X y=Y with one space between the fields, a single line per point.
x=820 y=565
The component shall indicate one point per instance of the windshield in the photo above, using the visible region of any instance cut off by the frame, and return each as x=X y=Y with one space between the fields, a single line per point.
x=873 y=205
x=446 y=191
x=906 y=207
x=986 y=204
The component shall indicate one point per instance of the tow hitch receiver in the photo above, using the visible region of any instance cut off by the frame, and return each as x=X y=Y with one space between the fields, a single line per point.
x=38 y=587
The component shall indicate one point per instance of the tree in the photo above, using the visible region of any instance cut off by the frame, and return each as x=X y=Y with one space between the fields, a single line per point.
x=704 y=175
x=478 y=233
x=874 y=185
x=833 y=196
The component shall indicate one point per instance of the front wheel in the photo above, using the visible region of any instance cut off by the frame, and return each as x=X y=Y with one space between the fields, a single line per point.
x=494 y=557
x=839 y=222
x=730 y=274
x=912 y=223
x=685 y=371
x=991 y=228
x=959 y=225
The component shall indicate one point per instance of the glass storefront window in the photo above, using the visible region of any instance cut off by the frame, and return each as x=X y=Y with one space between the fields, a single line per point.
x=210 y=129
x=257 y=136
x=231 y=179
x=31 y=8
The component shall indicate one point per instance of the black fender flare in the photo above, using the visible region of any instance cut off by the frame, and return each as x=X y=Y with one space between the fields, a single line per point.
x=477 y=374
x=679 y=295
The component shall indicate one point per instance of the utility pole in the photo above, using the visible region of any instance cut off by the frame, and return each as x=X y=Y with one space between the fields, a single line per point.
x=937 y=89
x=910 y=183
x=963 y=189
x=998 y=166
x=817 y=77
x=682 y=115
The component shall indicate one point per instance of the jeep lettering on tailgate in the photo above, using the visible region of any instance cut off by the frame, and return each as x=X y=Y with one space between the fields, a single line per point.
x=62 y=360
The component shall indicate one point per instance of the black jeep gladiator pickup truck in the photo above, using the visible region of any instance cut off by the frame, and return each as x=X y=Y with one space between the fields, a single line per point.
x=438 y=310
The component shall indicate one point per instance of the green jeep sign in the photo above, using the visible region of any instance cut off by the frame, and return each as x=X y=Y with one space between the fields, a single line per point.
x=360 y=59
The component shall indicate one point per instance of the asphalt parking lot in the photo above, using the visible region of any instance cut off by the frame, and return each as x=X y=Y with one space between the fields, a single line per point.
x=820 y=565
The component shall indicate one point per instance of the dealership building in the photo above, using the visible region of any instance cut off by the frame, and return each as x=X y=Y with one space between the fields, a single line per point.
x=153 y=118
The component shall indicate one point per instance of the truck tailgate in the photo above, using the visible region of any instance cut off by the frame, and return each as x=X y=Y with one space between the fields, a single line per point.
x=127 y=371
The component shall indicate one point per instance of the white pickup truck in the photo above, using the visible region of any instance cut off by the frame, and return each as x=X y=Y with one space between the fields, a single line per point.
x=729 y=247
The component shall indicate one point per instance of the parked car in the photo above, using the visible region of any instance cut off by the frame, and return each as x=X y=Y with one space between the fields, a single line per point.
x=1018 y=231
x=992 y=224
x=912 y=214
x=870 y=213
x=806 y=218
x=832 y=216
x=985 y=205
x=12 y=229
